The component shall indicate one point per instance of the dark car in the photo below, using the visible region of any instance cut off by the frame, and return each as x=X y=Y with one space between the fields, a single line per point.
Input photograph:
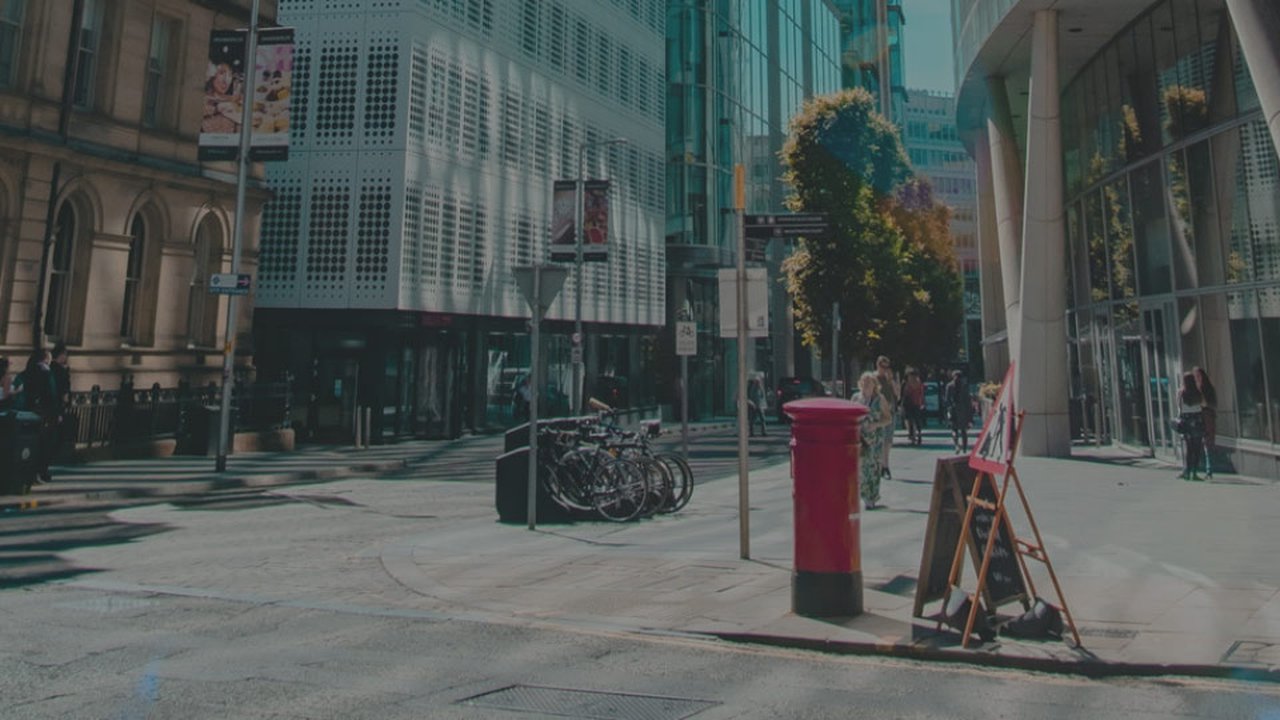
x=794 y=388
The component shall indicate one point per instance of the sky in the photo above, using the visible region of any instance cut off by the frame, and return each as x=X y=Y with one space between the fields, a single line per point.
x=928 y=43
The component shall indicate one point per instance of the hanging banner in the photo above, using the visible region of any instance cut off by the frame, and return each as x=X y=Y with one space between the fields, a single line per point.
x=223 y=95
x=562 y=230
x=595 y=220
x=273 y=75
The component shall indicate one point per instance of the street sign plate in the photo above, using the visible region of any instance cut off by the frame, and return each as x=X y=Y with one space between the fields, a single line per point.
x=765 y=232
x=575 y=355
x=229 y=284
x=757 y=302
x=785 y=219
x=552 y=281
x=686 y=338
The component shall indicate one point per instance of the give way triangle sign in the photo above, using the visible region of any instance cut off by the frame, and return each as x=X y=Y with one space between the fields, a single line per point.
x=993 y=453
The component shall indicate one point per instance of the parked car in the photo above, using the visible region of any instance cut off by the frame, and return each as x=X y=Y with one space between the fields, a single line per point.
x=794 y=388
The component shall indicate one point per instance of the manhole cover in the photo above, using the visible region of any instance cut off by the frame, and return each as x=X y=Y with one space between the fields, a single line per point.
x=1252 y=652
x=588 y=703
x=1108 y=633
x=107 y=603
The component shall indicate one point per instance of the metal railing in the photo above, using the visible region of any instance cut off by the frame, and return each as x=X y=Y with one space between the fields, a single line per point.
x=103 y=418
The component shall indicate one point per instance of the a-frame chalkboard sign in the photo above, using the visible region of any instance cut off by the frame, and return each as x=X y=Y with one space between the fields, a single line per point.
x=953 y=481
x=966 y=488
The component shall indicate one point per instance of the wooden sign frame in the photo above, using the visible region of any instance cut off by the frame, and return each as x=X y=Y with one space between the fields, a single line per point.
x=1023 y=549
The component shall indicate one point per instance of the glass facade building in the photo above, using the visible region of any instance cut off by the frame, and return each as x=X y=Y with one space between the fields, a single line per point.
x=737 y=70
x=1171 y=192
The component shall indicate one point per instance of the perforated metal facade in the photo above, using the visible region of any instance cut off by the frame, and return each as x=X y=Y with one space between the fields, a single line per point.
x=426 y=135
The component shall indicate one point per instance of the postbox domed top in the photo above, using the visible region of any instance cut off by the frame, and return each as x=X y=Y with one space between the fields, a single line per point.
x=824 y=410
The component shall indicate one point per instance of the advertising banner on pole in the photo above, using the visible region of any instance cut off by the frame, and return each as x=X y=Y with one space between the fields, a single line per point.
x=562 y=230
x=272 y=87
x=223 y=95
x=225 y=88
x=595 y=220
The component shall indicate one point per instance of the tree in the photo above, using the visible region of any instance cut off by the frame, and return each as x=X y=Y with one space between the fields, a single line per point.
x=888 y=258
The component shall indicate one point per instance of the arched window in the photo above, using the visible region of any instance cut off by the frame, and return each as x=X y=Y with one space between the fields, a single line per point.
x=58 y=299
x=133 y=279
x=202 y=308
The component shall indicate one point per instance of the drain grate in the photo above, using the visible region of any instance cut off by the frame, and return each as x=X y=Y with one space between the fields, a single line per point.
x=588 y=703
x=1116 y=633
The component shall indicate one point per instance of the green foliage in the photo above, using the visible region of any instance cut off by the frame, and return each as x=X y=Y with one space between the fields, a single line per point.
x=888 y=261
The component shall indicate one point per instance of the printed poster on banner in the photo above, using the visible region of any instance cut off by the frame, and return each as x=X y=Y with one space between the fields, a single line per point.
x=273 y=86
x=595 y=220
x=562 y=241
x=993 y=452
x=223 y=95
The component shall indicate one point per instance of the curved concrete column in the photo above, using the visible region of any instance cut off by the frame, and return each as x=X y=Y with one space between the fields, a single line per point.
x=995 y=356
x=1042 y=346
x=1006 y=179
x=1257 y=24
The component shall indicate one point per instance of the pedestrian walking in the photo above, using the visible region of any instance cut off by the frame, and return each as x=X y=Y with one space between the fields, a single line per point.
x=1208 y=415
x=959 y=408
x=756 y=399
x=871 y=431
x=1190 y=425
x=913 y=406
x=60 y=369
x=38 y=395
x=889 y=392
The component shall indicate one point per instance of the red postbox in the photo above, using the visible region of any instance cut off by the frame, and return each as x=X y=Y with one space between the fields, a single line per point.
x=827 y=580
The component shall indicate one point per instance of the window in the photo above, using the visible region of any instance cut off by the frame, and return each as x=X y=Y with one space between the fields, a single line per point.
x=58 y=298
x=155 y=96
x=87 y=54
x=10 y=36
x=202 y=308
x=133 y=279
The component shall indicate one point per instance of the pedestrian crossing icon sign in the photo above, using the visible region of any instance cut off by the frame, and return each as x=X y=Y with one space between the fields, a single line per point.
x=993 y=453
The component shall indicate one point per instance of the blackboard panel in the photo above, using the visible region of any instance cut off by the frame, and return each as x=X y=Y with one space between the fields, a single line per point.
x=1004 y=582
x=946 y=515
x=952 y=482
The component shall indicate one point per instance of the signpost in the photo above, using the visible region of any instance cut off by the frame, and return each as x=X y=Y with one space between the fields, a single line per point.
x=539 y=284
x=686 y=345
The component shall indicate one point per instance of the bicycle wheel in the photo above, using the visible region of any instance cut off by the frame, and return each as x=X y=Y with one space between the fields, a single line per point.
x=660 y=486
x=620 y=488
x=681 y=480
x=576 y=471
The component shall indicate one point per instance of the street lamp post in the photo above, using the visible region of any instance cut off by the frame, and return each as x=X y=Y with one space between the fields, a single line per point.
x=579 y=342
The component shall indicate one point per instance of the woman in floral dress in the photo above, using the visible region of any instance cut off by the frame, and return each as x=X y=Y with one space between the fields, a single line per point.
x=871 y=431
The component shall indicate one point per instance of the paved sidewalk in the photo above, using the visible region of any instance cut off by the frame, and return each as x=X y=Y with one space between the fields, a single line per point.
x=156 y=478
x=1163 y=576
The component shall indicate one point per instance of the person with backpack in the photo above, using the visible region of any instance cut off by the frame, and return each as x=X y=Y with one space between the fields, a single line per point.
x=913 y=406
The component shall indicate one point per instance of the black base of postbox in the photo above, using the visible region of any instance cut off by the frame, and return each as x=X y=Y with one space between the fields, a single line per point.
x=819 y=594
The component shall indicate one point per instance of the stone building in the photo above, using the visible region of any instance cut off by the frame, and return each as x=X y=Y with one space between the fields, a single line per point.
x=116 y=263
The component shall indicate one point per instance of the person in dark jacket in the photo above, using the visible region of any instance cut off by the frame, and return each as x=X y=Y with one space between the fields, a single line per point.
x=959 y=407
x=39 y=396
